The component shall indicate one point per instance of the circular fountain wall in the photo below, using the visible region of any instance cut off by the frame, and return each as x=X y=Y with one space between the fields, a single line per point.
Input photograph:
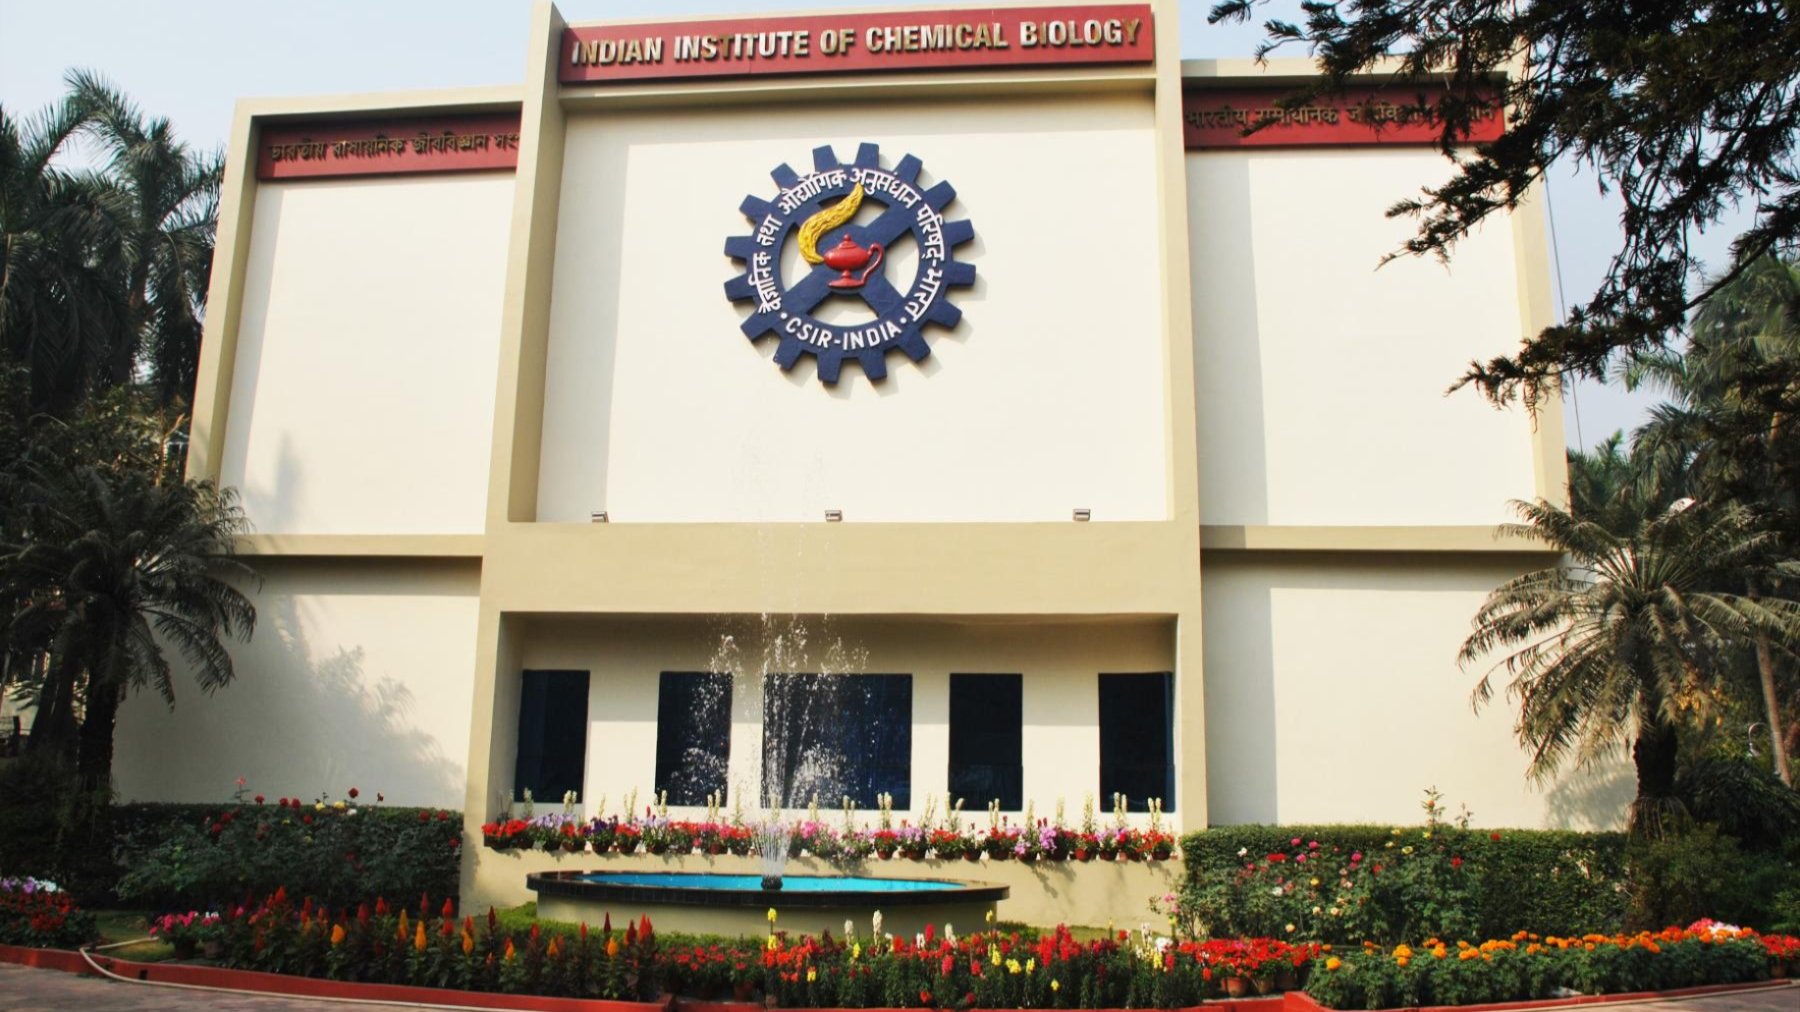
x=738 y=904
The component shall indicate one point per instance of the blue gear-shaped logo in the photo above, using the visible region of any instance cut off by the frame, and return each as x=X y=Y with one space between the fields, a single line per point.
x=846 y=259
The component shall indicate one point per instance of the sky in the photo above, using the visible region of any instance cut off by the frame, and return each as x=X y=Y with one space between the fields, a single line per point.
x=190 y=60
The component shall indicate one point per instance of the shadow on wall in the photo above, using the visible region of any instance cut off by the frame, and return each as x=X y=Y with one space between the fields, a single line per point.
x=296 y=721
x=1591 y=798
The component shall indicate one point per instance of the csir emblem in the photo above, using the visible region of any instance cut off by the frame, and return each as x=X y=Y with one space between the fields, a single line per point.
x=842 y=259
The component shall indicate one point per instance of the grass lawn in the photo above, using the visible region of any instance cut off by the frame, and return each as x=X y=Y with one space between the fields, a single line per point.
x=128 y=925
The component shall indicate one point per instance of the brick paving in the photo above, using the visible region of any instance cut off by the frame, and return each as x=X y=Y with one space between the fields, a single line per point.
x=22 y=988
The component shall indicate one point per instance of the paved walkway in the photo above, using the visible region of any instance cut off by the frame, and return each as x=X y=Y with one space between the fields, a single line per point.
x=22 y=988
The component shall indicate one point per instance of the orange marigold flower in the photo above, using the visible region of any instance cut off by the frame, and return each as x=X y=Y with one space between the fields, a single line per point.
x=1467 y=954
x=1333 y=963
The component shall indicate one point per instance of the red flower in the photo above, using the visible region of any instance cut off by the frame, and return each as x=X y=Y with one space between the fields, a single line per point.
x=1456 y=862
x=424 y=816
x=353 y=793
x=924 y=997
x=306 y=819
x=1494 y=836
x=455 y=843
x=259 y=799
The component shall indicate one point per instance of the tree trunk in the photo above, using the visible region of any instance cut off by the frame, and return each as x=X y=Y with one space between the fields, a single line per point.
x=1765 y=670
x=95 y=763
x=1654 y=754
x=53 y=725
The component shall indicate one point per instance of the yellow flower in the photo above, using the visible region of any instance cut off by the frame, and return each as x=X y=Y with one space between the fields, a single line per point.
x=340 y=806
x=812 y=974
x=771 y=943
x=1012 y=966
x=318 y=806
x=990 y=916
x=1428 y=834
x=1031 y=965
x=1056 y=985
x=1333 y=963
x=771 y=915
x=994 y=954
x=856 y=950
x=1315 y=881
x=337 y=935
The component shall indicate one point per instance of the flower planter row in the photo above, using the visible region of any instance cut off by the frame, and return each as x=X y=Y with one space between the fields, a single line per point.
x=252 y=981
x=1001 y=843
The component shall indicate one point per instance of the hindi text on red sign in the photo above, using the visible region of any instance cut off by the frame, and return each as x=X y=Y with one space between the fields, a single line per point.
x=387 y=146
x=1217 y=118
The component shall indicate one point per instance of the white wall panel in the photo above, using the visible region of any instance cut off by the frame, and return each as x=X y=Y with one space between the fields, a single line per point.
x=363 y=397
x=1320 y=380
x=1048 y=395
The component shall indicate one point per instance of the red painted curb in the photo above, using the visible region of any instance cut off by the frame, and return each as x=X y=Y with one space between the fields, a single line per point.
x=43 y=959
x=1300 y=1001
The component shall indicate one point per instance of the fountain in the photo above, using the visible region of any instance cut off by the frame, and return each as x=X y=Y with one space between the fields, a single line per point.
x=792 y=769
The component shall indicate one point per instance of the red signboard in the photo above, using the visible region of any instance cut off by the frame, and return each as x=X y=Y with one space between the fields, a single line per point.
x=389 y=145
x=865 y=43
x=1217 y=118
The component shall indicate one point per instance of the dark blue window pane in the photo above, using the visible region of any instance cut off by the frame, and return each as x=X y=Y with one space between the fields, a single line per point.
x=693 y=735
x=986 y=740
x=837 y=736
x=1137 y=740
x=553 y=722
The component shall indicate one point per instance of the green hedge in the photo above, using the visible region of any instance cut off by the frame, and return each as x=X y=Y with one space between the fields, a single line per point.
x=202 y=856
x=1547 y=881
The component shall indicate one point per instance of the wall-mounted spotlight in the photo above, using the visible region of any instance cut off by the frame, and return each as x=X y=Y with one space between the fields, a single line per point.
x=834 y=516
x=1084 y=515
x=598 y=516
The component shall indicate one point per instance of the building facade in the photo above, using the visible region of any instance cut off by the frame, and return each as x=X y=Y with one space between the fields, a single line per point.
x=590 y=440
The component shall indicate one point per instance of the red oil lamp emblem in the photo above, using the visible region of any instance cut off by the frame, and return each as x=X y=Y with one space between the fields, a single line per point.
x=848 y=257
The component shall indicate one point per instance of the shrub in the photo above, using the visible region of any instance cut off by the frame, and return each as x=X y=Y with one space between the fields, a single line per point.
x=35 y=912
x=1377 y=883
x=1703 y=873
x=210 y=856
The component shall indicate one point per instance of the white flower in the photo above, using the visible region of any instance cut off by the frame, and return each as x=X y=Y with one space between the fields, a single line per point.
x=1290 y=929
x=1275 y=891
x=1333 y=911
x=1242 y=851
x=1315 y=911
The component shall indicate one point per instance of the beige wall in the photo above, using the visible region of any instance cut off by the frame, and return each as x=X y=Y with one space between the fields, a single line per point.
x=360 y=675
x=363 y=394
x=1333 y=695
x=1320 y=380
x=1048 y=396
x=1059 y=661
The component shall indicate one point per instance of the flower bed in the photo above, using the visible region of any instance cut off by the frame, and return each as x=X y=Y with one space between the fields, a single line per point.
x=851 y=845
x=1529 y=966
x=35 y=912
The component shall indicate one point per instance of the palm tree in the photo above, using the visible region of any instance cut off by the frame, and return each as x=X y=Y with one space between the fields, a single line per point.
x=174 y=196
x=63 y=259
x=115 y=568
x=1622 y=638
x=103 y=274
x=1734 y=420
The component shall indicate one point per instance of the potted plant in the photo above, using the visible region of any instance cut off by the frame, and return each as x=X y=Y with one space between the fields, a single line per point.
x=884 y=842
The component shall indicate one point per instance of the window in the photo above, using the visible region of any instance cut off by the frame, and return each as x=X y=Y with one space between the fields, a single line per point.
x=986 y=739
x=1137 y=740
x=837 y=736
x=553 y=721
x=693 y=735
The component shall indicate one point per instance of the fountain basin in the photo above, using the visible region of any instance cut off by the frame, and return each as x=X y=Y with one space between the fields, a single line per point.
x=738 y=904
